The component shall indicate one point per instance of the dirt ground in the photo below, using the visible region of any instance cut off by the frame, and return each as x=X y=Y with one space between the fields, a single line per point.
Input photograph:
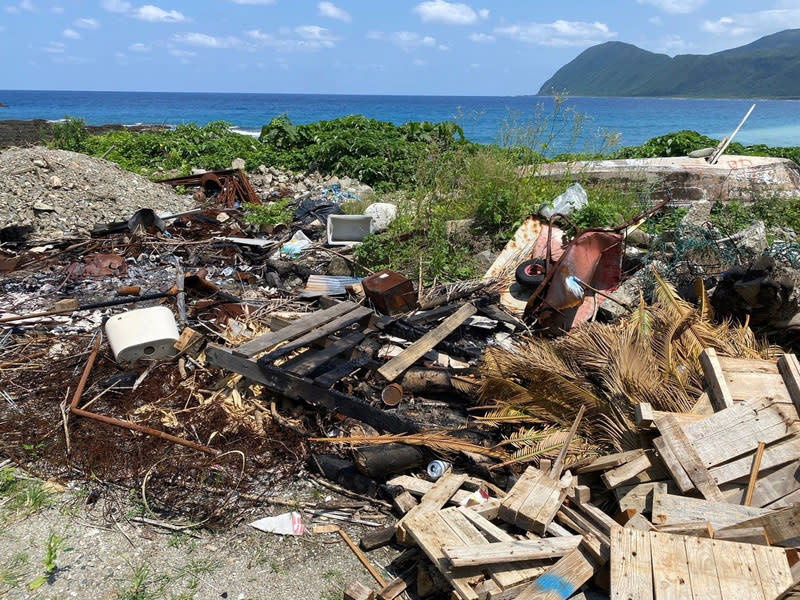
x=101 y=552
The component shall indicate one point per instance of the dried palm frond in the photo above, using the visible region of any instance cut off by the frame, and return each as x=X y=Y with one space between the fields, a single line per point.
x=439 y=441
x=531 y=445
x=651 y=356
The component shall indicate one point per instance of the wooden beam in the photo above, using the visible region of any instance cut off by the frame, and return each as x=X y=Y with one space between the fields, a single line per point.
x=669 y=509
x=751 y=484
x=558 y=465
x=789 y=367
x=297 y=328
x=299 y=388
x=674 y=436
x=441 y=492
x=514 y=551
x=780 y=526
x=562 y=579
x=392 y=369
x=720 y=394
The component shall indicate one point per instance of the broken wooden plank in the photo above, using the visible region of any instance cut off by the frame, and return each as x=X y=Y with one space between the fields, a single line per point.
x=631 y=565
x=297 y=328
x=609 y=461
x=737 y=572
x=323 y=330
x=308 y=362
x=669 y=509
x=392 y=369
x=430 y=532
x=436 y=498
x=702 y=568
x=750 y=535
x=768 y=488
x=775 y=455
x=776 y=575
x=719 y=392
x=420 y=487
x=671 y=577
x=640 y=497
x=640 y=522
x=533 y=501
x=299 y=388
x=674 y=436
x=789 y=368
x=735 y=431
x=358 y=591
x=595 y=539
x=673 y=465
x=513 y=551
x=562 y=579
x=751 y=484
x=558 y=464
x=506 y=576
x=625 y=473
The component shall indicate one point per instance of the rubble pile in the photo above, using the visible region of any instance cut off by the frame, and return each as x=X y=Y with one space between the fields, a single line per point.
x=55 y=194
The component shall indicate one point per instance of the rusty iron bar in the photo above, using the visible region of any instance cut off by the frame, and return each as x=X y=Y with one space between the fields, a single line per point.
x=73 y=408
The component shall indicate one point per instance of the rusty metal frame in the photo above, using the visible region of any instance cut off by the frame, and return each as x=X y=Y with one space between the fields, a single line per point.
x=73 y=409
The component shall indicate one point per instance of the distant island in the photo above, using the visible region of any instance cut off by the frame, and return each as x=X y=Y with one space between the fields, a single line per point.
x=766 y=68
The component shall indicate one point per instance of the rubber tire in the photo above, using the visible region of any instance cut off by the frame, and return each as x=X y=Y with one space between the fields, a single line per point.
x=531 y=273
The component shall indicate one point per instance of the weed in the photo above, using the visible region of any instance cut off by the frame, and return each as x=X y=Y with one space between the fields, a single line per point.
x=54 y=545
x=21 y=497
x=11 y=574
x=137 y=587
x=181 y=539
x=280 y=212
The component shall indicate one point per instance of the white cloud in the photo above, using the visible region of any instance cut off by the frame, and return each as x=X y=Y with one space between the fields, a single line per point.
x=71 y=34
x=419 y=62
x=755 y=23
x=181 y=53
x=675 y=7
x=203 y=40
x=57 y=10
x=316 y=34
x=558 y=34
x=475 y=66
x=24 y=6
x=148 y=12
x=139 y=48
x=86 y=23
x=481 y=38
x=655 y=20
x=407 y=40
x=254 y=2
x=54 y=48
x=117 y=6
x=154 y=14
x=306 y=38
x=330 y=11
x=443 y=47
x=448 y=13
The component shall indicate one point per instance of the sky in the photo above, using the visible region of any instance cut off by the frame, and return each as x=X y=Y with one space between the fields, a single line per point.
x=431 y=47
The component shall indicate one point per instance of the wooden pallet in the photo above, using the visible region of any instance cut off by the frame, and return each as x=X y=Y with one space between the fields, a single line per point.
x=656 y=566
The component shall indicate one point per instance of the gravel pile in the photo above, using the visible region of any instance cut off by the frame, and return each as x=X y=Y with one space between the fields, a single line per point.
x=60 y=194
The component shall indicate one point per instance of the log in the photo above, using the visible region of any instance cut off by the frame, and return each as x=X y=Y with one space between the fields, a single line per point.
x=379 y=461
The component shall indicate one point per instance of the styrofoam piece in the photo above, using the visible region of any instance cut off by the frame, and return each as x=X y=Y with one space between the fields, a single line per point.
x=382 y=213
x=145 y=333
x=344 y=230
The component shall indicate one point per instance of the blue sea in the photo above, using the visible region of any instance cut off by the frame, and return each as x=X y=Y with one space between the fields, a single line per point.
x=483 y=118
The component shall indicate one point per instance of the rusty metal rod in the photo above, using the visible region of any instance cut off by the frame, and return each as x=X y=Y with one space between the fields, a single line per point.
x=73 y=408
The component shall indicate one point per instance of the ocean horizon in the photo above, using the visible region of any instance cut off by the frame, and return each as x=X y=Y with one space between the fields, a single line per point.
x=484 y=119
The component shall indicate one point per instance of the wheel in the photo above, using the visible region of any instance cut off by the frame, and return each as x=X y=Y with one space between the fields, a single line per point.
x=531 y=273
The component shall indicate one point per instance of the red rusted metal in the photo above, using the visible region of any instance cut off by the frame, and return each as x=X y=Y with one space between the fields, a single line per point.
x=233 y=185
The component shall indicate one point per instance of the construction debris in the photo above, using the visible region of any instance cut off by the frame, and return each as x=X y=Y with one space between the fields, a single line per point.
x=654 y=456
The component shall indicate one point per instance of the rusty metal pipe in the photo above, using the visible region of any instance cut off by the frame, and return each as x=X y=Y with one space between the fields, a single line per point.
x=73 y=408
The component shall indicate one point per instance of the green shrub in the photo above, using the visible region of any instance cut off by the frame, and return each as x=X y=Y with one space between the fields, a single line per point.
x=280 y=212
x=70 y=134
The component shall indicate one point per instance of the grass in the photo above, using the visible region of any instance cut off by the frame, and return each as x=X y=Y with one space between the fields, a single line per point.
x=181 y=582
x=12 y=574
x=20 y=496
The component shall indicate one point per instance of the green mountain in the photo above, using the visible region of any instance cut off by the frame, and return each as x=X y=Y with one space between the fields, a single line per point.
x=766 y=68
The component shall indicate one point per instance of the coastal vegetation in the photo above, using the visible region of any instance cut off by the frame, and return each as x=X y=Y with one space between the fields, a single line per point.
x=766 y=68
x=434 y=175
